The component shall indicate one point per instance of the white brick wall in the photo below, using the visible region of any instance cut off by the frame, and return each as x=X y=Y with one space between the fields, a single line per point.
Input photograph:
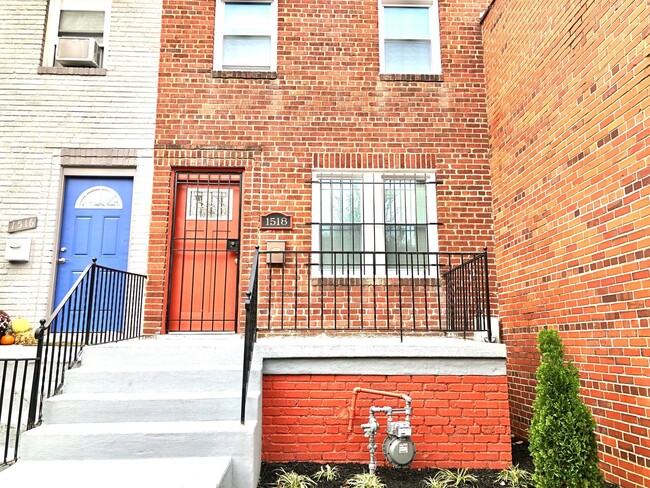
x=42 y=113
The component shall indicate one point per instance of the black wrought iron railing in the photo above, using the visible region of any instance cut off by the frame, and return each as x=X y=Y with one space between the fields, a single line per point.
x=250 y=333
x=468 y=298
x=303 y=291
x=16 y=380
x=104 y=305
x=412 y=292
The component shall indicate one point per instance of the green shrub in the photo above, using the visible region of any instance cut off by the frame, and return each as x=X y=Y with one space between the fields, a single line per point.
x=562 y=437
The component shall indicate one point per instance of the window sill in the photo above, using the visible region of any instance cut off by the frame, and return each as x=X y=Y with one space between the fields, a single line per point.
x=407 y=77
x=60 y=70
x=251 y=75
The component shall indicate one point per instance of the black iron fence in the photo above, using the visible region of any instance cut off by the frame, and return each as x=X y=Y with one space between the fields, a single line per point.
x=411 y=292
x=468 y=296
x=104 y=305
x=16 y=380
x=354 y=291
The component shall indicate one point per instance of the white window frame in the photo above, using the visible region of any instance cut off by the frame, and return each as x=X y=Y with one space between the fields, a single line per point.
x=373 y=191
x=54 y=16
x=219 y=29
x=434 y=26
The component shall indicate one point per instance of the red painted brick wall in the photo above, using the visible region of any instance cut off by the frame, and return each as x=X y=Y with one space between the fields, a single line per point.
x=569 y=112
x=328 y=107
x=458 y=421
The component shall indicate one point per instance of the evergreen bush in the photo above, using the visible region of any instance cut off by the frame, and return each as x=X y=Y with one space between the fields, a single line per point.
x=562 y=433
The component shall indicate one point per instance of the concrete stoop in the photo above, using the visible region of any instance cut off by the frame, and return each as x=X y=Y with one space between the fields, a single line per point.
x=164 y=409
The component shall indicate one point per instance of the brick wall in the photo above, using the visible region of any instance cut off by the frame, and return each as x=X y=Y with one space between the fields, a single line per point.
x=570 y=123
x=458 y=421
x=94 y=124
x=326 y=107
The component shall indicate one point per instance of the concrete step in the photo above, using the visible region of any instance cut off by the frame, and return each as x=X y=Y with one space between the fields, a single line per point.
x=201 y=351
x=171 y=377
x=145 y=440
x=129 y=439
x=181 y=472
x=73 y=408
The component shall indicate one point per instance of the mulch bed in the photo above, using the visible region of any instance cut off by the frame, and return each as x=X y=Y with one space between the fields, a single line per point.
x=395 y=478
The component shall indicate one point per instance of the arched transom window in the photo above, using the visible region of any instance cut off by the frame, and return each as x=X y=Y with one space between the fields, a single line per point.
x=99 y=197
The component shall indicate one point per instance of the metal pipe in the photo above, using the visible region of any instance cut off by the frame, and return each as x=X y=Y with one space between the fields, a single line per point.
x=369 y=429
x=358 y=389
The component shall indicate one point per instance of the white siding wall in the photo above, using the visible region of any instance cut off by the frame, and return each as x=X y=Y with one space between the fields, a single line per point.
x=40 y=114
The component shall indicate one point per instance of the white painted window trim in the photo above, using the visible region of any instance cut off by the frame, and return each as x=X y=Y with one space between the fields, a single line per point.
x=374 y=240
x=54 y=16
x=434 y=24
x=219 y=34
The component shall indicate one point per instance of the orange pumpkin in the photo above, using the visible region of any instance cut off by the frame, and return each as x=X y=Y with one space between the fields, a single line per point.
x=8 y=339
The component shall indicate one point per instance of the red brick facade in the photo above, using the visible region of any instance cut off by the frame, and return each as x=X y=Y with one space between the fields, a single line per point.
x=326 y=107
x=458 y=421
x=569 y=111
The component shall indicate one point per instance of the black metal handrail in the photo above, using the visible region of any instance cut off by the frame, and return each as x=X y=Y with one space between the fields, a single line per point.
x=391 y=292
x=250 y=332
x=104 y=305
x=16 y=381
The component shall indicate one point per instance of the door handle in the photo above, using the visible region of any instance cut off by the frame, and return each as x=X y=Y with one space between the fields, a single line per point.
x=236 y=260
x=62 y=260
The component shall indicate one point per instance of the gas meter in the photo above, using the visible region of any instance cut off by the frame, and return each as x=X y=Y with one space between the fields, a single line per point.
x=398 y=447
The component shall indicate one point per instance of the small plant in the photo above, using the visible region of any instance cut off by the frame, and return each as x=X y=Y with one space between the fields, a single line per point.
x=515 y=477
x=327 y=472
x=432 y=482
x=562 y=432
x=292 y=479
x=364 y=480
x=455 y=478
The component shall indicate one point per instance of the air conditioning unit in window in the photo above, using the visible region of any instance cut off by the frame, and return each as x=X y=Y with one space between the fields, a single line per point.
x=78 y=52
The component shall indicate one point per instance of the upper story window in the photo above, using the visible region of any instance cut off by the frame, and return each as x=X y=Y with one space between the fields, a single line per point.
x=374 y=224
x=76 y=34
x=246 y=35
x=409 y=37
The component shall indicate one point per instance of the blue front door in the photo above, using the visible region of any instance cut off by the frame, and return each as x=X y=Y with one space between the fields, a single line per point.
x=96 y=223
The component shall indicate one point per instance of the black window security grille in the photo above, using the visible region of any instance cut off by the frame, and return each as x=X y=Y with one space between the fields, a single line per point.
x=374 y=222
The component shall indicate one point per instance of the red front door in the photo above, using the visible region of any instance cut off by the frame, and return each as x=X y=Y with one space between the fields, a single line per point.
x=205 y=251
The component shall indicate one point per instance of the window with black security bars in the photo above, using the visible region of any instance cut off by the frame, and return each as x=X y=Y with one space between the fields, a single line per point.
x=374 y=223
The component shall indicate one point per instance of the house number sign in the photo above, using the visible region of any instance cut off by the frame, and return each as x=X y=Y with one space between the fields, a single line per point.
x=22 y=224
x=277 y=220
